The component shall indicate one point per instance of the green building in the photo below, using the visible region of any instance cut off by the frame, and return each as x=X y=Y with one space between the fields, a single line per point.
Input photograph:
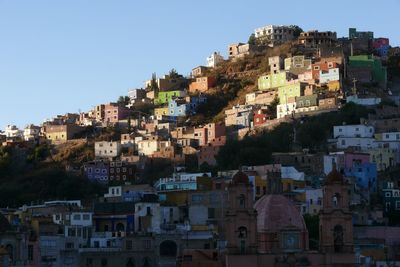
x=271 y=81
x=290 y=91
x=306 y=101
x=379 y=73
x=353 y=33
x=165 y=96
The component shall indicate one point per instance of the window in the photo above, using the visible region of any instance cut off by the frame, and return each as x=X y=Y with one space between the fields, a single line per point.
x=77 y=216
x=211 y=213
x=104 y=262
x=30 y=252
x=128 y=244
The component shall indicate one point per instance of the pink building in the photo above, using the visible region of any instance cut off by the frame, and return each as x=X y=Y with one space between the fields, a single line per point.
x=113 y=113
x=351 y=158
x=209 y=132
x=379 y=42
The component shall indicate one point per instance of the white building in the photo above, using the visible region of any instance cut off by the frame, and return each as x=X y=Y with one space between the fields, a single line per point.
x=214 y=60
x=31 y=132
x=148 y=147
x=313 y=200
x=150 y=211
x=291 y=173
x=329 y=76
x=360 y=143
x=12 y=131
x=275 y=33
x=359 y=131
x=371 y=101
x=283 y=110
x=105 y=149
x=136 y=95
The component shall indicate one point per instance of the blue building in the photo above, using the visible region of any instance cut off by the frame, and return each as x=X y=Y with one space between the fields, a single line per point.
x=182 y=106
x=365 y=175
x=97 y=171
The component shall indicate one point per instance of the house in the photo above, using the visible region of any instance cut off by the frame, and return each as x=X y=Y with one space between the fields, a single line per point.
x=199 y=71
x=364 y=101
x=369 y=65
x=97 y=171
x=12 y=131
x=306 y=101
x=178 y=107
x=381 y=46
x=207 y=154
x=363 y=131
x=122 y=171
x=160 y=112
x=261 y=116
x=329 y=76
x=239 y=116
x=61 y=133
x=354 y=34
x=297 y=64
x=263 y=98
x=323 y=65
x=283 y=110
x=327 y=103
x=275 y=64
x=391 y=197
x=315 y=38
x=274 y=34
x=383 y=157
x=274 y=80
x=105 y=149
x=164 y=97
x=31 y=132
x=202 y=84
x=148 y=147
x=136 y=95
x=240 y=50
x=289 y=92
x=209 y=132
x=365 y=175
x=114 y=113
x=214 y=60
x=166 y=83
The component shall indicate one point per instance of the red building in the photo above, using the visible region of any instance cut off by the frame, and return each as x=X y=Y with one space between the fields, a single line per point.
x=323 y=65
x=261 y=116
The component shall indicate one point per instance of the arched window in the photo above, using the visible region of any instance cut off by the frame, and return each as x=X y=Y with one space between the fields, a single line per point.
x=242 y=201
x=120 y=227
x=242 y=232
x=338 y=238
x=335 y=200
x=130 y=262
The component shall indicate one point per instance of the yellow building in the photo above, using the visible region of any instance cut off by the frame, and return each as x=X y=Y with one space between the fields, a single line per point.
x=61 y=133
x=333 y=86
x=382 y=157
x=159 y=112
x=288 y=184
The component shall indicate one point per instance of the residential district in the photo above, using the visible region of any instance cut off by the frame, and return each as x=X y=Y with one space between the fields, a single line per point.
x=286 y=153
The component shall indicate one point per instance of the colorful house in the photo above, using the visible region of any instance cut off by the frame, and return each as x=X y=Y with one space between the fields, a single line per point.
x=288 y=93
x=165 y=96
x=160 y=112
x=365 y=175
x=274 y=80
x=374 y=65
x=329 y=76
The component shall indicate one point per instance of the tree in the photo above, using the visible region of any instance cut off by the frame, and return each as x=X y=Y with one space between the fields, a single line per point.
x=173 y=74
x=312 y=224
x=296 y=30
x=252 y=39
x=123 y=101
x=272 y=107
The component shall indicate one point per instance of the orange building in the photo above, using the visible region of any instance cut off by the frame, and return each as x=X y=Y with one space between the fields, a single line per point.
x=201 y=84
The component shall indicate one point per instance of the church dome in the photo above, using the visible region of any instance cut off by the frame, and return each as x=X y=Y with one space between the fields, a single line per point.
x=240 y=178
x=276 y=212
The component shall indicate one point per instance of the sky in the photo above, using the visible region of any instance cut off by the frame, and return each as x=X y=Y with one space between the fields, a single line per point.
x=68 y=56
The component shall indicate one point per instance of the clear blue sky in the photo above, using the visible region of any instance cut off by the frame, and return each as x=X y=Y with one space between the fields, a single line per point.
x=66 y=56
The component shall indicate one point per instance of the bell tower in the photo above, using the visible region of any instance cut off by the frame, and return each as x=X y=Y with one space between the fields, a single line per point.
x=335 y=219
x=241 y=217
